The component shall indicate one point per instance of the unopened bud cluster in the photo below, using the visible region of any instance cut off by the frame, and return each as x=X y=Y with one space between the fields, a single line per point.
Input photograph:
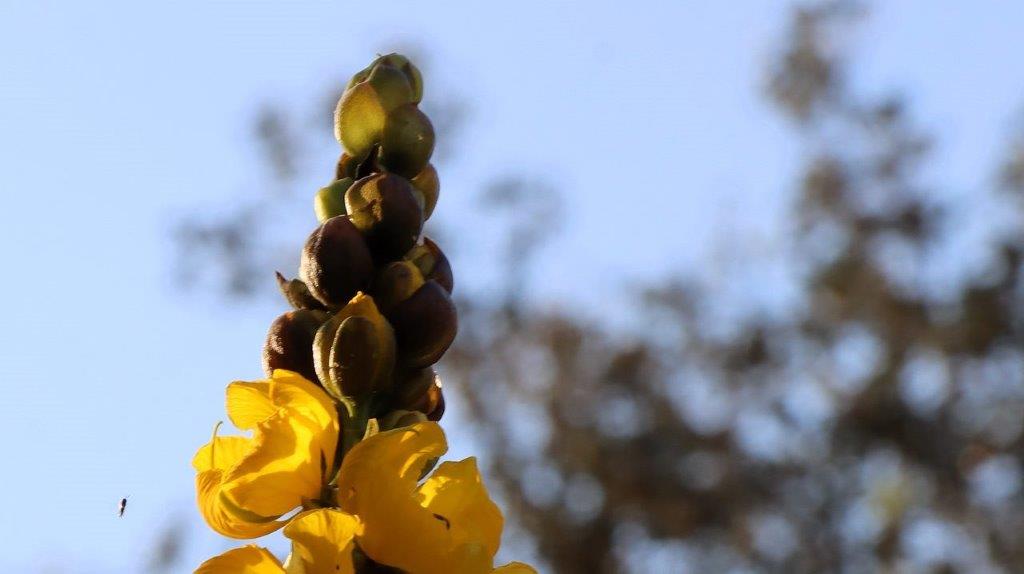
x=372 y=301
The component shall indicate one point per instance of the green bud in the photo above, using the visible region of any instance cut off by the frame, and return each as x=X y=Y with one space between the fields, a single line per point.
x=336 y=262
x=407 y=141
x=425 y=325
x=354 y=351
x=330 y=200
x=411 y=72
x=289 y=343
x=353 y=355
x=297 y=293
x=360 y=76
x=400 y=418
x=428 y=184
x=432 y=263
x=396 y=283
x=398 y=62
x=359 y=120
x=391 y=85
x=383 y=207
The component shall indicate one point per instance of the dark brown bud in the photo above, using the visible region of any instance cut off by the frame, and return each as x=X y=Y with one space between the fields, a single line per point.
x=414 y=391
x=438 y=412
x=401 y=418
x=407 y=141
x=297 y=294
x=384 y=208
x=432 y=263
x=396 y=283
x=336 y=262
x=425 y=325
x=289 y=343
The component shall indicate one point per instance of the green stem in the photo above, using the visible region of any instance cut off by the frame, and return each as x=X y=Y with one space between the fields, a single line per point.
x=353 y=415
x=356 y=414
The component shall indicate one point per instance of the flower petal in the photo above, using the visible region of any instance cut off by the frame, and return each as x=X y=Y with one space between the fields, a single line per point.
x=222 y=453
x=293 y=391
x=514 y=568
x=286 y=464
x=322 y=542
x=249 y=559
x=211 y=463
x=456 y=492
x=249 y=403
x=377 y=483
x=215 y=510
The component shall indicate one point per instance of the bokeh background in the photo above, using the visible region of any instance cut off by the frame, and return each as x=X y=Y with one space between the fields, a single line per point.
x=739 y=282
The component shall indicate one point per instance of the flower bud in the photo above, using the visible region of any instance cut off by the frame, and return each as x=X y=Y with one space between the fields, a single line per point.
x=407 y=141
x=416 y=390
x=347 y=166
x=400 y=418
x=359 y=120
x=384 y=208
x=360 y=76
x=432 y=263
x=399 y=62
x=336 y=262
x=297 y=294
x=392 y=86
x=330 y=200
x=438 y=410
x=411 y=72
x=428 y=184
x=289 y=343
x=354 y=351
x=425 y=325
x=396 y=283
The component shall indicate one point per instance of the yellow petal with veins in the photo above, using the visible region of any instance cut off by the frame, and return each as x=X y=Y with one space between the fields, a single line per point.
x=292 y=390
x=322 y=542
x=287 y=463
x=249 y=403
x=211 y=462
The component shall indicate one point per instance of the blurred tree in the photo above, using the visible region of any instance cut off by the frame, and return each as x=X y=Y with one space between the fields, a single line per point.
x=871 y=422
x=166 y=553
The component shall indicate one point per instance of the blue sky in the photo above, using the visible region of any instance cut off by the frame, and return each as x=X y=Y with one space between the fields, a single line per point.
x=115 y=117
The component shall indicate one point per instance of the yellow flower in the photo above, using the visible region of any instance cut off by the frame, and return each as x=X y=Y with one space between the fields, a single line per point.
x=245 y=484
x=446 y=525
x=322 y=543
